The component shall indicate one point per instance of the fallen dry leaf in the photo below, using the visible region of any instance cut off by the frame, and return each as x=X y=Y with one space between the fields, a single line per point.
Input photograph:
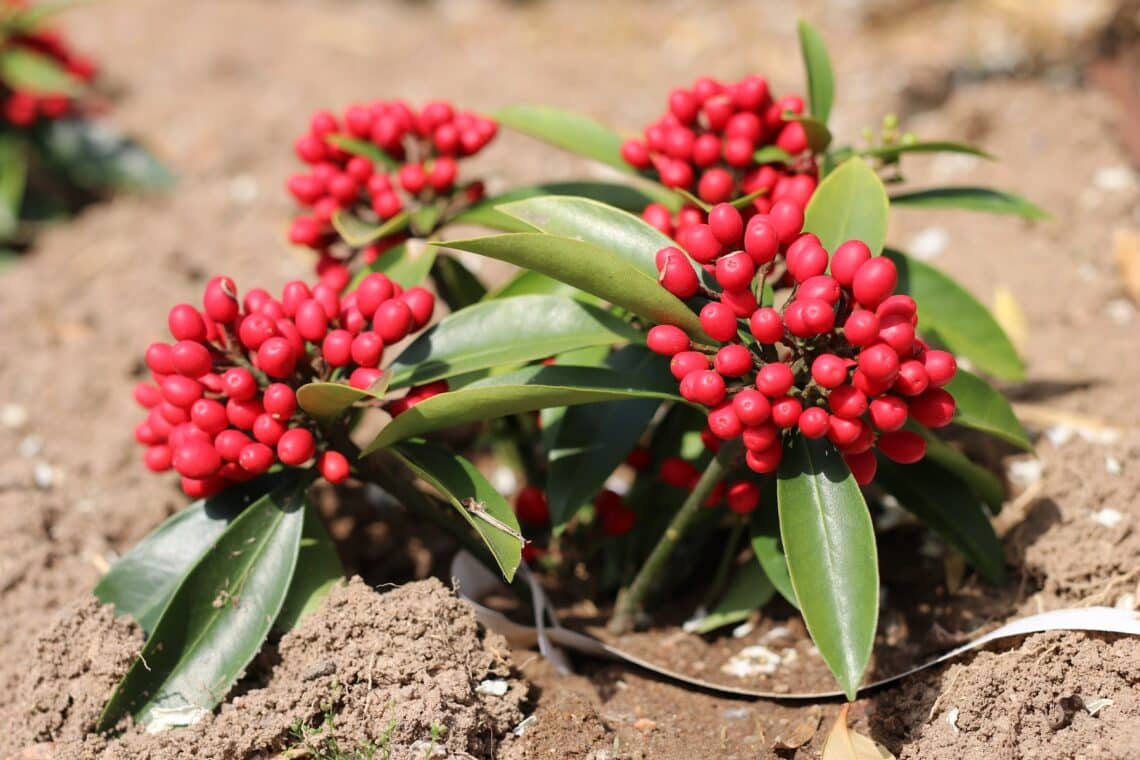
x=844 y=744
x=801 y=732
x=1126 y=251
x=1009 y=315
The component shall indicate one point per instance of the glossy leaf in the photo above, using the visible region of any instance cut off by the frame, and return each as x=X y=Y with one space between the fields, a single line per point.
x=593 y=439
x=97 y=157
x=587 y=267
x=820 y=79
x=983 y=407
x=961 y=323
x=818 y=135
x=218 y=617
x=406 y=263
x=985 y=484
x=892 y=152
x=141 y=582
x=358 y=233
x=629 y=198
x=329 y=401
x=769 y=553
x=508 y=331
x=770 y=154
x=830 y=545
x=525 y=390
x=529 y=282
x=13 y=176
x=481 y=505
x=749 y=591
x=849 y=204
x=27 y=70
x=364 y=149
x=567 y=130
x=319 y=569
x=457 y=285
x=970 y=199
x=950 y=508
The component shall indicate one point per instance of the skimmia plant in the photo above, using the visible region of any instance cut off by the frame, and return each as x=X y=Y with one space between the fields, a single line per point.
x=712 y=362
x=54 y=155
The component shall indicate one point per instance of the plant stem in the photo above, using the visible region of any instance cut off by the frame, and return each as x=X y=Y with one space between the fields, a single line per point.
x=726 y=561
x=630 y=599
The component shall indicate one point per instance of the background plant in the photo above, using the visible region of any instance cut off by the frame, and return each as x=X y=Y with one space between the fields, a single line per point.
x=576 y=338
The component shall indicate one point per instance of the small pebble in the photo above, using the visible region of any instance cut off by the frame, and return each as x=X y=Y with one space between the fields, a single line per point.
x=13 y=416
x=31 y=446
x=43 y=475
x=1108 y=517
x=243 y=189
x=1114 y=178
x=1112 y=465
x=495 y=687
x=1120 y=310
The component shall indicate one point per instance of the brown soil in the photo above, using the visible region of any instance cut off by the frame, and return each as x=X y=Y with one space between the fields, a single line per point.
x=220 y=88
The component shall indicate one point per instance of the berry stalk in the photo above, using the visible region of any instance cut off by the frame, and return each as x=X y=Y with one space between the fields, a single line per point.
x=631 y=598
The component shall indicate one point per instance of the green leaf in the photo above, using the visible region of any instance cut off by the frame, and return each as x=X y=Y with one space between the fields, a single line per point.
x=529 y=282
x=481 y=505
x=949 y=507
x=985 y=484
x=508 y=331
x=359 y=233
x=961 y=323
x=567 y=130
x=770 y=154
x=766 y=546
x=525 y=390
x=818 y=135
x=749 y=591
x=320 y=571
x=625 y=197
x=830 y=544
x=820 y=79
x=849 y=204
x=593 y=439
x=457 y=285
x=329 y=401
x=364 y=149
x=27 y=70
x=983 y=407
x=141 y=582
x=218 y=617
x=407 y=263
x=970 y=199
x=97 y=157
x=13 y=178
x=891 y=153
x=587 y=267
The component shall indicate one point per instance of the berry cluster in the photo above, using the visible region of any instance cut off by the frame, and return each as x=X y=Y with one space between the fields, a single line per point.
x=707 y=143
x=23 y=109
x=222 y=407
x=840 y=359
x=424 y=147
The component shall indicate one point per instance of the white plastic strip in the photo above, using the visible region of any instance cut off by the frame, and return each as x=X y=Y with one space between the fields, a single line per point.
x=473 y=581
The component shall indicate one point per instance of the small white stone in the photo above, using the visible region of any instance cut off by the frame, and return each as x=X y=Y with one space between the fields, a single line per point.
x=735 y=713
x=742 y=630
x=779 y=632
x=1112 y=465
x=1108 y=517
x=1120 y=310
x=495 y=687
x=929 y=243
x=243 y=188
x=526 y=723
x=693 y=624
x=952 y=719
x=13 y=416
x=1126 y=602
x=1093 y=706
x=1025 y=471
x=1114 y=178
x=752 y=661
x=31 y=446
x=43 y=475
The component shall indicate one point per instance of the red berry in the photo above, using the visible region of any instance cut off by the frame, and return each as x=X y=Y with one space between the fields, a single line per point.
x=675 y=173
x=147 y=395
x=738 y=151
x=742 y=497
x=700 y=242
x=267 y=430
x=255 y=329
x=157 y=458
x=733 y=360
x=897 y=332
x=793 y=138
x=311 y=321
x=443 y=174
x=160 y=359
x=764 y=461
x=786 y=411
x=373 y=290
x=814 y=422
x=366 y=349
x=902 y=446
x=863 y=441
x=761 y=240
x=818 y=316
x=276 y=357
x=364 y=377
x=684 y=105
x=333 y=467
x=898 y=305
x=760 y=437
x=847 y=401
x=684 y=363
x=421 y=303
x=279 y=401
x=752 y=407
x=181 y=391
x=767 y=325
x=934 y=408
x=658 y=217
x=708 y=387
x=412 y=178
x=618 y=521
x=742 y=302
x=940 y=366
x=735 y=271
x=718 y=321
x=256 y=458
x=677 y=472
x=296 y=446
x=874 y=281
x=209 y=416
x=843 y=431
x=635 y=153
x=239 y=384
x=726 y=223
x=871 y=387
x=716 y=184
x=667 y=340
x=861 y=328
x=306 y=231
x=229 y=444
x=639 y=459
x=806 y=260
x=828 y=370
x=788 y=219
x=912 y=378
x=220 y=300
x=724 y=423
x=820 y=287
x=775 y=379
x=337 y=347
x=531 y=506
x=888 y=413
x=242 y=414
x=186 y=323
x=847 y=259
x=862 y=466
x=191 y=359
x=393 y=321
x=879 y=363
x=196 y=459
x=202 y=489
